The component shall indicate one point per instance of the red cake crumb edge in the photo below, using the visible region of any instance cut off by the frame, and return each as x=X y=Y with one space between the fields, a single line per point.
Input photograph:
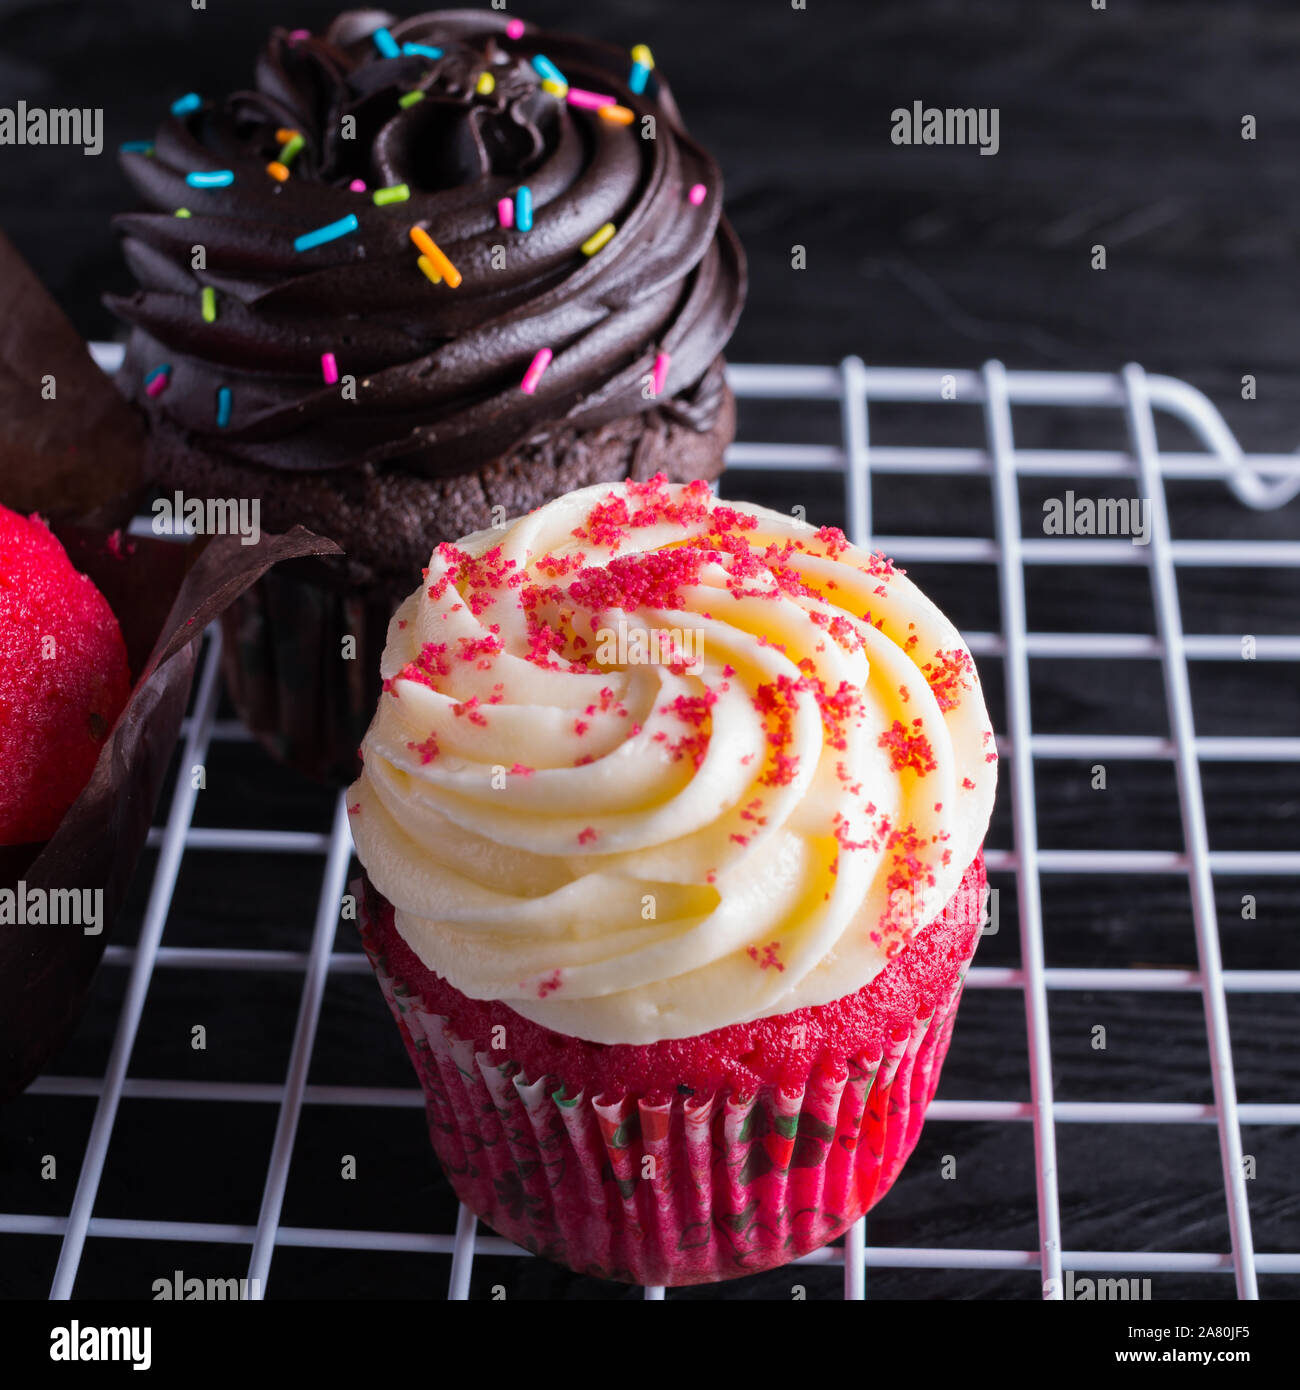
x=781 y=1050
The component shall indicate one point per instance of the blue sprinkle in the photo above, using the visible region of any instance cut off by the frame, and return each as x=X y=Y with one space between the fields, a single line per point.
x=543 y=66
x=420 y=50
x=182 y=106
x=223 y=407
x=218 y=178
x=386 y=43
x=524 y=208
x=158 y=371
x=637 y=80
x=138 y=147
x=331 y=232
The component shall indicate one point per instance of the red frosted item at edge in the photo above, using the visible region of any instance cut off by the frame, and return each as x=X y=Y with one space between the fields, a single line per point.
x=64 y=679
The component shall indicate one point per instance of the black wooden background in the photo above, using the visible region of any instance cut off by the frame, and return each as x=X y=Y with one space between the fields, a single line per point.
x=1120 y=127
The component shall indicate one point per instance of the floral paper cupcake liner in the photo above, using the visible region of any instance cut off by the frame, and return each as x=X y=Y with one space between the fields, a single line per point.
x=689 y=1190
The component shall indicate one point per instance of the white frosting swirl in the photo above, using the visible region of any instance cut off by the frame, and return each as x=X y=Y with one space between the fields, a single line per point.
x=627 y=849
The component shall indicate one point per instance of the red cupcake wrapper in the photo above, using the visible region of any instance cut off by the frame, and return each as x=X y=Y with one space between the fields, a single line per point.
x=688 y=1191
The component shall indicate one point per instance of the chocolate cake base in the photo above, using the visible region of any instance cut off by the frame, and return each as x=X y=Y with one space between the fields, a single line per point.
x=298 y=683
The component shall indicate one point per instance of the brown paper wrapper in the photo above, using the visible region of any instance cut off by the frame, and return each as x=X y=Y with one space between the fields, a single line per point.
x=164 y=594
x=78 y=459
x=79 y=456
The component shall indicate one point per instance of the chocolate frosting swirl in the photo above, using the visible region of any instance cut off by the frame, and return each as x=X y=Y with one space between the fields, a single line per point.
x=437 y=369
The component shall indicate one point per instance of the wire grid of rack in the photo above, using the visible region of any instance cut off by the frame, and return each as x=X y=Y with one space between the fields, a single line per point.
x=1258 y=481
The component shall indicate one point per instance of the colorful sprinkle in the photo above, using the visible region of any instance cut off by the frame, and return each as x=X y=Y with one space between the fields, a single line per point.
x=427 y=269
x=410 y=99
x=216 y=178
x=547 y=70
x=421 y=50
x=597 y=239
x=291 y=147
x=642 y=61
x=358 y=185
x=223 y=407
x=386 y=44
x=297 y=35
x=395 y=193
x=620 y=115
x=436 y=257
x=535 y=369
x=158 y=380
x=138 y=147
x=697 y=194
x=208 y=300
x=485 y=85
x=524 y=208
x=556 y=89
x=329 y=368
x=515 y=29
x=330 y=232
x=506 y=212
x=659 y=372
x=158 y=371
x=284 y=134
x=182 y=212
x=277 y=171
x=182 y=106
x=589 y=101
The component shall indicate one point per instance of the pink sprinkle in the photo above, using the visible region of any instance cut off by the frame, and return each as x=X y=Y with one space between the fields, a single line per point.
x=660 y=372
x=358 y=185
x=535 y=369
x=515 y=29
x=698 y=194
x=297 y=35
x=329 y=368
x=158 y=385
x=589 y=101
x=506 y=212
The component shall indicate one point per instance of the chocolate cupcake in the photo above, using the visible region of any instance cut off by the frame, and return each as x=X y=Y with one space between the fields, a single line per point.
x=451 y=267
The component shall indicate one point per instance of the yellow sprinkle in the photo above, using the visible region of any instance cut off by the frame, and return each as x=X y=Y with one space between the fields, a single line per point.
x=597 y=239
x=284 y=135
x=620 y=115
x=556 y=89
x=427 y=266
x=277 y=171
x=184 y=212
x=209 y=300
x=641 y=54
x=486 y=85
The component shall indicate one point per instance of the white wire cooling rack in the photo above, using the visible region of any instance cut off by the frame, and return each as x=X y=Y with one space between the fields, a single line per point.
x=1259 y=481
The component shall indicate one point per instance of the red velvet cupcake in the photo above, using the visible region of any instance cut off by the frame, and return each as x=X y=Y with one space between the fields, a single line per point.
x=64 y=678
x=671 y=818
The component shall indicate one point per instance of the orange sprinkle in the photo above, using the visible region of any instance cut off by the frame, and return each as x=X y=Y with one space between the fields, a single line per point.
x=435 y=256
x=277 y=171
x=284 y=135
x=620 y=115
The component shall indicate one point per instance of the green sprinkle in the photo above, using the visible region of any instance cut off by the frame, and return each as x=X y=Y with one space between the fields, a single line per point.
x=209 y=299
x=183 y=212
x=290 y=148
x=410 y=99
x=397 y=193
